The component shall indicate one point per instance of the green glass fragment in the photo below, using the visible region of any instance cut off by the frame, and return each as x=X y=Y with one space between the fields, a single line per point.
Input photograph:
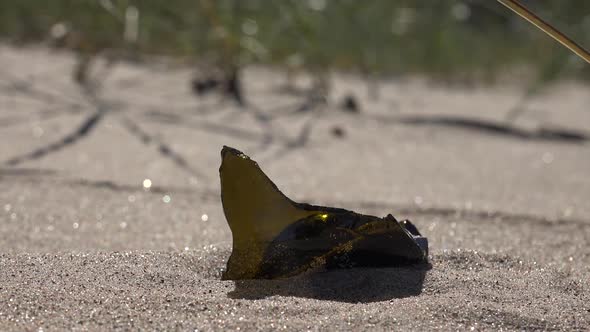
x=275 y=237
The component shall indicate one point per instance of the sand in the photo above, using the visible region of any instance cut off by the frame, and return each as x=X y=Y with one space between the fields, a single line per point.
x=84 y=246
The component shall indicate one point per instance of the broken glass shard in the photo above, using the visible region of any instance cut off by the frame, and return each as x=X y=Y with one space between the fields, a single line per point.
x=275 y=237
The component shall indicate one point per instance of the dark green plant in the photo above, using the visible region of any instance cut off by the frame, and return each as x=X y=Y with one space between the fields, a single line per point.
x=445 y=39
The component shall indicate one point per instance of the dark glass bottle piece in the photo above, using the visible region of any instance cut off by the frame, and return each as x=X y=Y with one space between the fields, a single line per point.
x=274 y=237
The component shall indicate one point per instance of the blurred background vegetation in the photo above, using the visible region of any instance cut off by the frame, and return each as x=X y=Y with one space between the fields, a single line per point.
x=448 y=39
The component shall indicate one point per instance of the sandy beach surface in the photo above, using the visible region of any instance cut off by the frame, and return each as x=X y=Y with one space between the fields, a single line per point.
x=84 y=246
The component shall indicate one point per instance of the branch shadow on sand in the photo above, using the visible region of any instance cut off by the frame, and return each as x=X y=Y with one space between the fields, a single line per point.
x=358 y=285
x=497 y=128
x=81 y=132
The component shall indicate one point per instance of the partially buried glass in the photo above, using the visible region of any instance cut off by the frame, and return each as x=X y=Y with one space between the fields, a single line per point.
x=275 y=237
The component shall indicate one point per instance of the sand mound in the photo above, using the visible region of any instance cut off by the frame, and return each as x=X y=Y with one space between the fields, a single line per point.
x=83 y=245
